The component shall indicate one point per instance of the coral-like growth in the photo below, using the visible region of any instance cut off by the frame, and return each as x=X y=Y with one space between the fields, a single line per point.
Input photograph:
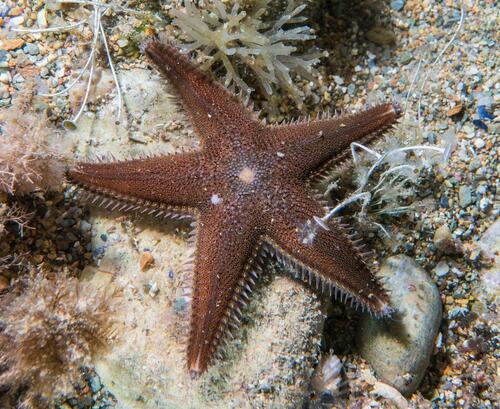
x=28 y=161
x=246 y=44
x=387 y=183
x=13 y=214
x=49 y=329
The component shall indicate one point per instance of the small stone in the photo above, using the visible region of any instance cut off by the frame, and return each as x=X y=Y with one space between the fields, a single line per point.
x=444 y=202
x=397 y=5
x=5 y=77
x=381 y=36
x=474 y=164
x=338 y=80
x=15 y=22
x=68 y=222
x=405 y=58
x=41 y=18
x=153 y=289
x=442 y=268
x=15 y=11
x=391 y=394
x=465 y=196
x=3 y=55
x=146 y=260
x=479 y=143
x=180 y=305
x=11 y=44
x=399 y=348
x=85 y=226
x=457 y=109
x=445 y=242
x=95 y=384
x=122 y=42
x=484 y=204
x=137 y=137
x=31 y=49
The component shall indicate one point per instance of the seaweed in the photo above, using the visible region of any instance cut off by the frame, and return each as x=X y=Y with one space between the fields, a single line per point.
x=246 y=44
x=28 y=161
x=50 y=327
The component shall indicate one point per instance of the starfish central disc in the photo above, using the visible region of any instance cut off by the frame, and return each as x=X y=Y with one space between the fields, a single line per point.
x=247 y=175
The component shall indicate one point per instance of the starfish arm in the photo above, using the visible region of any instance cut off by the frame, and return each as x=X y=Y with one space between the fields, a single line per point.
x=226 y=246
x=217 y=115
x=324 y=255
x=310 y=145
x=163 y=183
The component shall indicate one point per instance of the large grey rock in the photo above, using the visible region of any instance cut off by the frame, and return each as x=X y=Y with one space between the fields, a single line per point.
x=271 y=359
x=399 y=348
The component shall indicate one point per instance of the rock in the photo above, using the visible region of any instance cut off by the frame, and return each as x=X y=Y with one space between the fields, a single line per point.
x=465 y=196
x=446 y=243
x=457 y=109
x=146 y=260
x=405 y=58
x=490 y=273
x=85 y=226
x=381 y=35
x=391 y=394
x=399 y=349
x=31 y=49
x=11 y=44
x=271 y=359
x=41 y=18
x=327 y=377
x=95 y=384
x=442 y=268
x=397 y=5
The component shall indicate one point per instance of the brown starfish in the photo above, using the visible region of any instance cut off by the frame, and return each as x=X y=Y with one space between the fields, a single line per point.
x=247 y=187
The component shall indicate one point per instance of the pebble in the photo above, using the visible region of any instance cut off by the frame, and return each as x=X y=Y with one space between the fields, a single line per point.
x=146 y=260
x=5 y=77
x=41 y=18
x=390 y=393
x=479 y=143
x=68 y=222
x=484 y=204
x=405 y=58
x=122 y=42
x=95 y=384
x=85 y=226
x=31 y=49
x=442 y=268
x=399 y=349
x=445 y=242
x=11 y=44
x=457 y=109
x=153 y=289
x=328 y=376
x=474 y=164
x=490 y=274
x=381 y=36
x=465 y=196
x=397 y=5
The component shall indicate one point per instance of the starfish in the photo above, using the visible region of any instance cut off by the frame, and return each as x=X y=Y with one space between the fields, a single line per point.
x=247 y=188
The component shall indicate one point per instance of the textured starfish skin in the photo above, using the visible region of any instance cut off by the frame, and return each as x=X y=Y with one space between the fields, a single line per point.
x=247 y=187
